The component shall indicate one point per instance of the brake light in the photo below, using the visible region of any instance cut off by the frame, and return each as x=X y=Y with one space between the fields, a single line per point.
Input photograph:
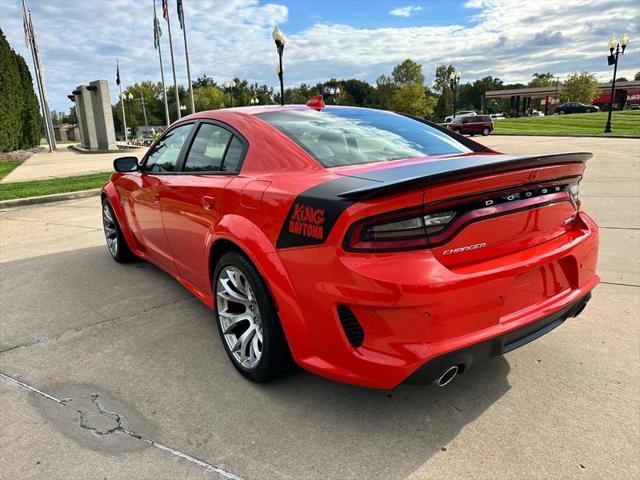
x=406 y=230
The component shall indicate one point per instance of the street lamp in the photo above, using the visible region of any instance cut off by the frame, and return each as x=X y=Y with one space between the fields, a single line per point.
x=616 y=48
x=229 y=86
x=280 y=40
x=454 y=80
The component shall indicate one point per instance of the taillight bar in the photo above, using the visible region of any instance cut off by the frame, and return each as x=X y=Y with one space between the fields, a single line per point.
x=424 y=226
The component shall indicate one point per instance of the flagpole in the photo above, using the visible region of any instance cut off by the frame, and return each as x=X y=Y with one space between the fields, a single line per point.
x=173 y=64
x=124 y=118
x=183 y=25
x=156 y=26
x=30 y=38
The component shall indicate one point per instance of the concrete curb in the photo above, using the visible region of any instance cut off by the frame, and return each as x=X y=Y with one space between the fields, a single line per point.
x=56 y=197
x=502 y=134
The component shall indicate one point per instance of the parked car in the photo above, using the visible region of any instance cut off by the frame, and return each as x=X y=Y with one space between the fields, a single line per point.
x=537 y=113
x=498 y=116
x=472 y=124
x=575 y=107
x=462 y=113
x=366 y=246
x=631 y=106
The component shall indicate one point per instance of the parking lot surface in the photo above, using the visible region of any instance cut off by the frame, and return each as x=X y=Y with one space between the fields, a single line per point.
x=116 y=371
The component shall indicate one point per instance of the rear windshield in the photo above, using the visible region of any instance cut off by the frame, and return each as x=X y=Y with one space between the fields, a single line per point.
x=348 y=136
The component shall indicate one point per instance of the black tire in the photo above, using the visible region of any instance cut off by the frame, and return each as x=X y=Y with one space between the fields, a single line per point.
x=122 y=252
x=561 y=112
x=276 y=358
x=486 y=131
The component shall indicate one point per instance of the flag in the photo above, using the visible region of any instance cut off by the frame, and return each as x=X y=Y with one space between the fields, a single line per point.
x=157 y=32
x=117 y=73
x=165 y=10
x=180 y=14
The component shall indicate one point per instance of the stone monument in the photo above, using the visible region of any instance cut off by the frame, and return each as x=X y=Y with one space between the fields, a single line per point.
x=95 y=118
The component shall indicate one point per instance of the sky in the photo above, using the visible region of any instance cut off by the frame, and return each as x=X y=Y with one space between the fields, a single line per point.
x=80 y=40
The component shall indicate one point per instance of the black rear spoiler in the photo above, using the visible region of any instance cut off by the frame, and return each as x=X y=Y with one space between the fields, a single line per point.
x=392 y=179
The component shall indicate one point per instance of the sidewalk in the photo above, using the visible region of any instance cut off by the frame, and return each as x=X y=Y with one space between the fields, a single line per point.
x=66 y=163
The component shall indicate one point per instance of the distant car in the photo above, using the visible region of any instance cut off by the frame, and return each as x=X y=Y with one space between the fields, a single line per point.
x=462 y=113
x=537 y=113
x=498 y=116
x=632 y=106
x=575 y=107
x=472 y=124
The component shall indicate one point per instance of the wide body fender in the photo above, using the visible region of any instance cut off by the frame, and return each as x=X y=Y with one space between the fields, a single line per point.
x=111 y=192
x=246 y=236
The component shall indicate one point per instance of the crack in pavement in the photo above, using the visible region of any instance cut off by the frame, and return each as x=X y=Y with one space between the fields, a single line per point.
x=117 y=420
x=91 y=325
x=620 y=284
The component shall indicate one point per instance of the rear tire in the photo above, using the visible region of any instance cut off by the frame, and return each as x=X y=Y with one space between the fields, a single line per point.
x=248 y=321
x=116 y=243
x=486 y=132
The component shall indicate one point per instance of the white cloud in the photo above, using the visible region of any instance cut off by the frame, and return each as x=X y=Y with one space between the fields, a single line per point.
x=404 y=11
x=511 y=39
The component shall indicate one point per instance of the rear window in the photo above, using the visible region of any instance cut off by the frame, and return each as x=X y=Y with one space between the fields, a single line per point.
x=348 y=136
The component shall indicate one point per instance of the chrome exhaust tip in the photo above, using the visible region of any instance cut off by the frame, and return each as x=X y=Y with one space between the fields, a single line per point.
x=448 y=376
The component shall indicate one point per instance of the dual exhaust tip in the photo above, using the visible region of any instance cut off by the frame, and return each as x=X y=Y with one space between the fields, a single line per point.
x=448 y=376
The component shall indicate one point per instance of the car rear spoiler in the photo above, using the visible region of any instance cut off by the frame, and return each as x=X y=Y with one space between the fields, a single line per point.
x=392 y=179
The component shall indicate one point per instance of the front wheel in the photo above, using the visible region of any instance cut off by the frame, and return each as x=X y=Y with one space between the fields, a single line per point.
x=485 y=132
x=248 y=321
x=116 y=243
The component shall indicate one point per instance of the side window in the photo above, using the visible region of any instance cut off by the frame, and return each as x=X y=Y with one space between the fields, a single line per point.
x=234 y=156
x=165 y=153
x=208 y=149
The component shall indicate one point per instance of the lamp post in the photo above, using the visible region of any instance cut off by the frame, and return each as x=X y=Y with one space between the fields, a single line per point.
x=454 y=80
x=229 y=86
x=280 y=40
x=616 y=48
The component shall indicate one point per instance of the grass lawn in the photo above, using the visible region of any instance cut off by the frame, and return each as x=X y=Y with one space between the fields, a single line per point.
x=623 y=123
x=7 y=166
x=36 y=188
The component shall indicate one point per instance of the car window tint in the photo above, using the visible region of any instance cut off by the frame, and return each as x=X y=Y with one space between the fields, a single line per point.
x=338 y=136
x=233 y=158
x=207 y=149
x=165 y=153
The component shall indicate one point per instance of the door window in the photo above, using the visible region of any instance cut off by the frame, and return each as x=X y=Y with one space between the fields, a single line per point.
x=164 y=156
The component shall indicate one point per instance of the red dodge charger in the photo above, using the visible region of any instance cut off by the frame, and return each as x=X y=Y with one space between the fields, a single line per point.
x=366 y=246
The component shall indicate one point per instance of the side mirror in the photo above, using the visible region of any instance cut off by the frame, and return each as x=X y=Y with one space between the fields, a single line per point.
x=125 y=164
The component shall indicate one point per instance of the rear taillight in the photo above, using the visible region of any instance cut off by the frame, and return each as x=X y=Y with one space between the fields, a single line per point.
x=406 y=230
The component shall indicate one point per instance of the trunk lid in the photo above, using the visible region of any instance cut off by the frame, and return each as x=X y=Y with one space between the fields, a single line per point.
x=500 y=203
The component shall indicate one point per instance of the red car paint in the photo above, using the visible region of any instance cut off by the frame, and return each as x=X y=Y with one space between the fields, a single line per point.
x=413 y=305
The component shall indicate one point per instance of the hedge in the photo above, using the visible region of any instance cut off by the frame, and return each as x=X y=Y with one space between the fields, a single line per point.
x=20 y=120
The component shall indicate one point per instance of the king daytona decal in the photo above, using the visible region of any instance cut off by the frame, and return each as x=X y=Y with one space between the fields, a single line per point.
x=307 y=221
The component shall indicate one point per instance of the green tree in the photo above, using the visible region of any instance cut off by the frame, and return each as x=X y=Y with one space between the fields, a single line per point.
x=441 y=79
x=384 y=91
x=208 y=97
x=579 y=87
x=412 y=99
x=636 y=76
x=30 y=114
x=407 y=72
x=20 y=121
x=542 y=80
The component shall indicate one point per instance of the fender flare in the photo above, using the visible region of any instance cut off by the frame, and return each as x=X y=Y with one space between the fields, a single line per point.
x=111 y=193
x=249 y=239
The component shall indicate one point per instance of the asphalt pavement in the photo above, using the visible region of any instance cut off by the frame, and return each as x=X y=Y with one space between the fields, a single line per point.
x=116 y=371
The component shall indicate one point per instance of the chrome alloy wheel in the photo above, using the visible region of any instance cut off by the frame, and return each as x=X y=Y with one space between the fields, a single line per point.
x=110 y=230
x=239 y=317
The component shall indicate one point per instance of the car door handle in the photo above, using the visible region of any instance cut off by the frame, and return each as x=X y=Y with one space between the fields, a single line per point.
x=208 y=202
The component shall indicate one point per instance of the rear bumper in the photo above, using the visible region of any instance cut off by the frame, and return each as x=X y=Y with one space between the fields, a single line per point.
x=465 y=358
x=414 y=310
